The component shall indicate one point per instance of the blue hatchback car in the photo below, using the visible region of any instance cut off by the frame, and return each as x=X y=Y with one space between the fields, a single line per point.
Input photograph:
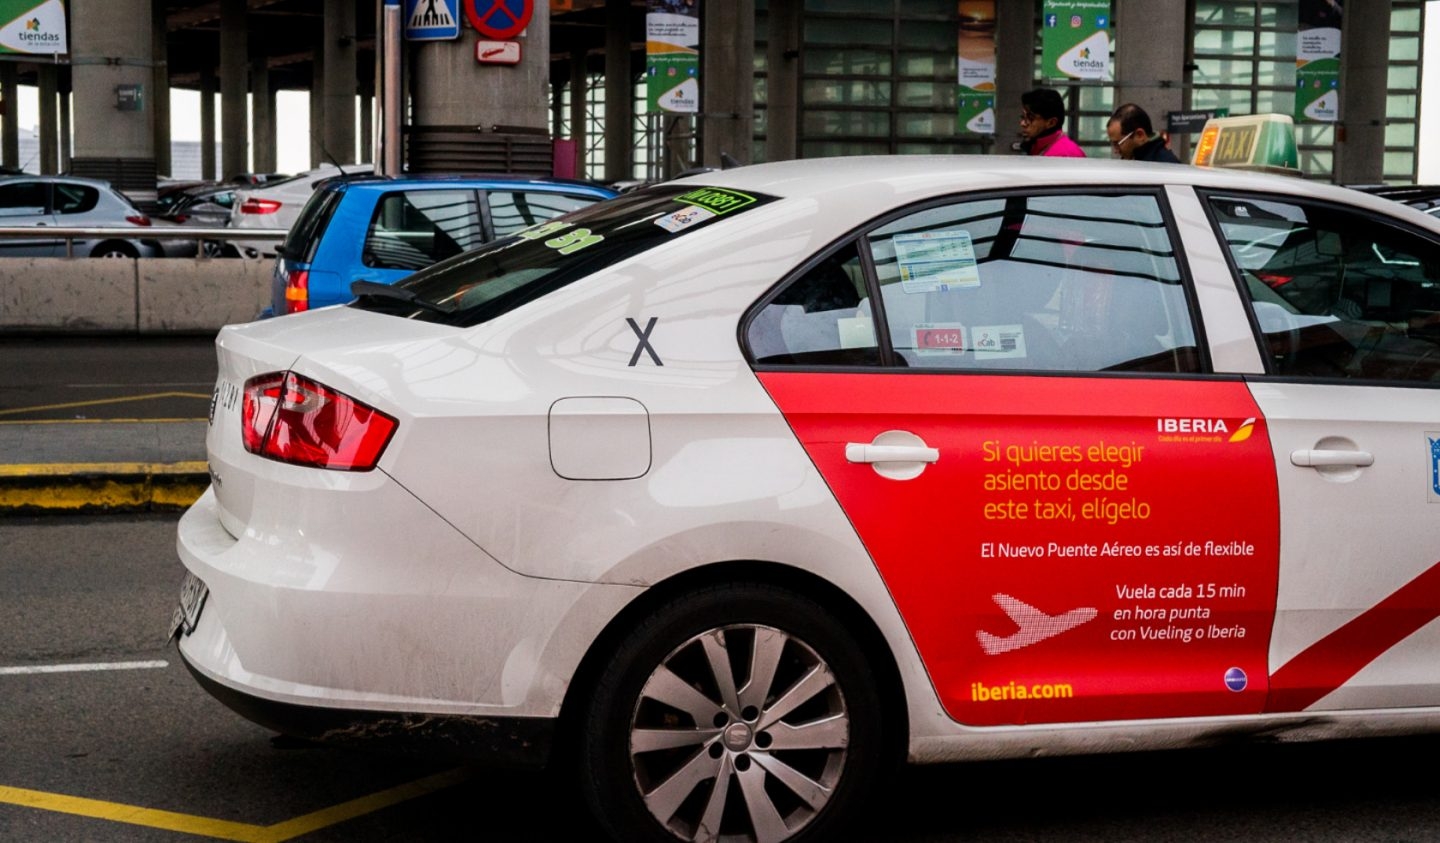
x=382 y=228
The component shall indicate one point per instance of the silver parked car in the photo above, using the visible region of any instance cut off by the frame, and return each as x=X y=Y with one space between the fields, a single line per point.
x=47 y=201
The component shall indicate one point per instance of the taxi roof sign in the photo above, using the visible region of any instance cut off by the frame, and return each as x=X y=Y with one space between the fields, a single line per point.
x=1261 y=142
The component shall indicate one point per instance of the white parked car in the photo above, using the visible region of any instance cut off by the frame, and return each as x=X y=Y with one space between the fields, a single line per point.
x=43 y=202
x=742 y=488
x=277 y=204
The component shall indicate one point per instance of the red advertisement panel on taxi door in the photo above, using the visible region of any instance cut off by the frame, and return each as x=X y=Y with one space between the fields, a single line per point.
x=1082 y=548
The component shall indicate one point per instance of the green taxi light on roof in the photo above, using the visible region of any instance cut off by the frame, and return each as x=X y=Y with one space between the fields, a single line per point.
x=1259 y=142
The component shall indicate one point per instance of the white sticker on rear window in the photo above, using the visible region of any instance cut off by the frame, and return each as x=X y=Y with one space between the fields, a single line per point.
x=996 y=342
x=935 y=261
x=684 y=218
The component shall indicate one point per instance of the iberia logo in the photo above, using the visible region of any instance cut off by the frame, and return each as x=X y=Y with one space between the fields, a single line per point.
x=1203 y=430
x=33 y=24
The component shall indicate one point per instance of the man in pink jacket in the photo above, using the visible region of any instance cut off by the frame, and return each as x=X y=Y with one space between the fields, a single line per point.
x=1042 y=112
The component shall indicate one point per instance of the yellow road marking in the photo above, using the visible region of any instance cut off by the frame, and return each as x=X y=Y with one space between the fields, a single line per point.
x=103 y=401
x=98 y=421
x=54 y=469
x=225 y=829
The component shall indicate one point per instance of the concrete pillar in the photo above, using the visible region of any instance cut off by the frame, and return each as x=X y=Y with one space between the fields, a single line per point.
x=110 y=51
x=49 y=111
x=579 y=93
x=234 y=85
x=10 y=120
x=367 y=127
x=619 y=93
x=207 y=123
x=317 y=111
x=262 y=115
x=160 y=84
x=470 y=116
x=782 y=83
x=1150 y=69
x=727 y=81
x=65 y=139
x=1364 y=59
x=1014 y=69
x=338 y=56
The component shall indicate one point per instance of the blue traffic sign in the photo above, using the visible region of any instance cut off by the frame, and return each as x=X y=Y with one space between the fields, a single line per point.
x=432 y=20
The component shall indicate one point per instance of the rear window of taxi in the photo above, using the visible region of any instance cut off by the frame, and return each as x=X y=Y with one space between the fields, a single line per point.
x=478 y=286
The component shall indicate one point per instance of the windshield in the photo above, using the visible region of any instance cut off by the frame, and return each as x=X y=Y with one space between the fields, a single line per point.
x=478 y=286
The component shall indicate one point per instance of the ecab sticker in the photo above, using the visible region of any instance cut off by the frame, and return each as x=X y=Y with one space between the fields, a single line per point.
x=684 y=218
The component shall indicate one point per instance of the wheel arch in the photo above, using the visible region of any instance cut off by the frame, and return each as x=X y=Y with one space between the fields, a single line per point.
x=889 y=683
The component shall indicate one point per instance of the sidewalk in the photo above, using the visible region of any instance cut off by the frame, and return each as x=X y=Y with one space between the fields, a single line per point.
x=99 y=465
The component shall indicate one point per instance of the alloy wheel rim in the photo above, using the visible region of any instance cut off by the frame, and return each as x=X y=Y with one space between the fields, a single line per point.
x=741 y=733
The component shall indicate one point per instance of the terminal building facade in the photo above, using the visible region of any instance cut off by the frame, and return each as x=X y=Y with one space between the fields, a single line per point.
x=777 y=79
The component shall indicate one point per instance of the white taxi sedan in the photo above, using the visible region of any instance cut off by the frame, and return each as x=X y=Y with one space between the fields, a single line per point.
x=732 y=491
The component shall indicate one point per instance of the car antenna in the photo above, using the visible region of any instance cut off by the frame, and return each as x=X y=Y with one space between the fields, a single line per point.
x=326 y=152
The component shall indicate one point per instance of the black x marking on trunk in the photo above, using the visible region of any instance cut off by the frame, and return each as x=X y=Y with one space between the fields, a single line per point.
x=644 y=340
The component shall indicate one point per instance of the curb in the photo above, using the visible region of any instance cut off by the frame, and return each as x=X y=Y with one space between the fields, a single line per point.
x=74 y=488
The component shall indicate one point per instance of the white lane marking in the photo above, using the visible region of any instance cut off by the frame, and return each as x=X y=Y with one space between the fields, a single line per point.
x=81 y=668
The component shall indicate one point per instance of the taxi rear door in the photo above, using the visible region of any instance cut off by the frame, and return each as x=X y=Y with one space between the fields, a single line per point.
x=1075 y=520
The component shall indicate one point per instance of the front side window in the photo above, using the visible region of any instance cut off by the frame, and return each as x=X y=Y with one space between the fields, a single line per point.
x=512 y=210
x=25 y=198
x=1336 y=294
x=413 y=229
x=1068 y=282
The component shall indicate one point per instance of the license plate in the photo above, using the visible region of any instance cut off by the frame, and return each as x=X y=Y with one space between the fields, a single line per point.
x=192 y=599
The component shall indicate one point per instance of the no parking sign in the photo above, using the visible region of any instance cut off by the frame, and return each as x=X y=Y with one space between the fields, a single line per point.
x=499 y=19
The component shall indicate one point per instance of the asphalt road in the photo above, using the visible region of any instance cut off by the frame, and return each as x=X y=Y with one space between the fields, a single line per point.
x=49 y=378
x=99 y=590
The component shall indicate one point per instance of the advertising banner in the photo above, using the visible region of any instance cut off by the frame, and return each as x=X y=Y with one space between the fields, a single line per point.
x=672 y=55
x=32 y=28
x=977 y=66
x=1317 y=62
x=1076 y=39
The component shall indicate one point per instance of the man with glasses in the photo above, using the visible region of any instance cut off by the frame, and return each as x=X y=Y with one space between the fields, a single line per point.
x=1133 y=137
x=1042 y=112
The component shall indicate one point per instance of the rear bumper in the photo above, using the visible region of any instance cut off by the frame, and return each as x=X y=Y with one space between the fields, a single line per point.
x=513 y=742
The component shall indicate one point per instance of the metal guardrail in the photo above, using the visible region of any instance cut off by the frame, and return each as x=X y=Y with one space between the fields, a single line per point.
x=157 y=232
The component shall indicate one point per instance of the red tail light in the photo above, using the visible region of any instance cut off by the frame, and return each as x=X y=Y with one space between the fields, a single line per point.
x=293 y=419
x=259 y=206
x=138 y=219
x=297 y=290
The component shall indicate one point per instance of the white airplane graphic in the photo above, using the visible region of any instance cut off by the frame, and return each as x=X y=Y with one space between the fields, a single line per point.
x=1035 y=625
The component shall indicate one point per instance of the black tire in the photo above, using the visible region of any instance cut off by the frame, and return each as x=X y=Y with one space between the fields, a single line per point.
x=831 y=746
x=114 y=249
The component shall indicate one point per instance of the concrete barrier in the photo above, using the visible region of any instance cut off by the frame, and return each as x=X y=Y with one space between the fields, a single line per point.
x=116 y=295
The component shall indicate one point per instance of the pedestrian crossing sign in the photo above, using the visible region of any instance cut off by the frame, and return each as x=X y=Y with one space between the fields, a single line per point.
x=432 y=20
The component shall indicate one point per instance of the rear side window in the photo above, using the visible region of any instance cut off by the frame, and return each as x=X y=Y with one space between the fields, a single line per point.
x=24 y=198
x=75 y=198
x=1067 y=282
x=304 y=236
x=1336 y=294
x=511 y=211
x=415 y=228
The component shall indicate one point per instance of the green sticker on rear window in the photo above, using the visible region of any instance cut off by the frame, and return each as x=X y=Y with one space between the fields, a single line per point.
x=717 y=199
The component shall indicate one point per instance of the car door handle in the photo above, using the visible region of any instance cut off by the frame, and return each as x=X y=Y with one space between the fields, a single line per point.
x=860 y=452
x=1319 y=458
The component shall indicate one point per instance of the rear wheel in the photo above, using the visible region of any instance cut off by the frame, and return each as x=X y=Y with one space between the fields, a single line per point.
x=114 y=249
x=741 y=712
